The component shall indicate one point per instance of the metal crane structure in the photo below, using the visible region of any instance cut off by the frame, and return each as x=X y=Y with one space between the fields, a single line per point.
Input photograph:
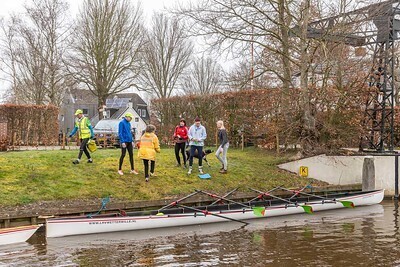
x=376 y=25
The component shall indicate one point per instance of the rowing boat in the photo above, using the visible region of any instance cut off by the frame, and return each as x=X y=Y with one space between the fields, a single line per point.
x=265 y=205
x=17 y=234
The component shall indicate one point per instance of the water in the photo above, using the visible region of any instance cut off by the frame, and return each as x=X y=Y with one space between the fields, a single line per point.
x=364 y=236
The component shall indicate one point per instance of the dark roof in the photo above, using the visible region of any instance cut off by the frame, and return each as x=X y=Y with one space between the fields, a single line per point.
x=136 y=99
x=80 y=96
x=118 y=113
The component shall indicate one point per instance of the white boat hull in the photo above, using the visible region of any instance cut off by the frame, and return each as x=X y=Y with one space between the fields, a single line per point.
x=79 y=226
x=17 y=234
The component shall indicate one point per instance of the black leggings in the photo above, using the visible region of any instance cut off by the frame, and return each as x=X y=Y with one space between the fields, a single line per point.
x=146 y=167
x=128 y=147
x=180 y=147
x=83 y=148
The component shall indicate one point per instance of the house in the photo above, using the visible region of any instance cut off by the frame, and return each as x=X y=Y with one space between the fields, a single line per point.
x=116 y=106
x=73 y=100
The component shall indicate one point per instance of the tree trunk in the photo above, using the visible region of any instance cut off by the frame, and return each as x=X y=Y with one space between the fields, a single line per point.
x=285 y=54
x=101 y=103
x=309 y=131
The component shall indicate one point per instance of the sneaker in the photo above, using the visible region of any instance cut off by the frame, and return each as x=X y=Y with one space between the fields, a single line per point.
x=221 y=168
x=120 y=172
x=147 y=179
x=190 y=170
x=76 y=161
x=223 y=171
x=201 y=170
x=185 y=166
x=134 y=172
x=90 y=161
x=153 y=174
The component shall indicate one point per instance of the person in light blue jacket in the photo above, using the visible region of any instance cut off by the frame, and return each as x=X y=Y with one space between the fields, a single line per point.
x=126 y=141
x=197 y=134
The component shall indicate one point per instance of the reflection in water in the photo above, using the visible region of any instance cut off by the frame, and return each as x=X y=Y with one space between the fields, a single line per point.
x=365 y=236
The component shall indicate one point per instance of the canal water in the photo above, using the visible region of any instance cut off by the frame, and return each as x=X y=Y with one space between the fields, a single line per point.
x=364 y=236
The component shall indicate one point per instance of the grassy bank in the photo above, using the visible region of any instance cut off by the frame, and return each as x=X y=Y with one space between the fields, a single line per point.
x=32 y=176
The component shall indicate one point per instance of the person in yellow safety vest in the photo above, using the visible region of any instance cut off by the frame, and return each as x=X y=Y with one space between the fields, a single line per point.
x=149 y=145
x=85 y=133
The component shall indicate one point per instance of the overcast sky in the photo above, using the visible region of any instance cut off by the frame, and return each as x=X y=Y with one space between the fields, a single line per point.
x=149 y=6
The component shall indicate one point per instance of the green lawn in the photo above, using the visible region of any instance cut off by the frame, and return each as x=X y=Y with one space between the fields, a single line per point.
x=31 y=176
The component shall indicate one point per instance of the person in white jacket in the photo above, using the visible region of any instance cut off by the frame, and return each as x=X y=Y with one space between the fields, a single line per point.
x=197 y=134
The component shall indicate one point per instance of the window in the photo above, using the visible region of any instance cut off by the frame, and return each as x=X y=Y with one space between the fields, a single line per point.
x=140 y=112
x=85 y=111
x=143 y=113
x=136 y=119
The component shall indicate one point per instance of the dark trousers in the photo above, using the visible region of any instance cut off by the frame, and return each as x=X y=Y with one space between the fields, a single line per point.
x=128 y=147
x=193 y=151
x=146 y=167
x=180 y=147
x=83 y=148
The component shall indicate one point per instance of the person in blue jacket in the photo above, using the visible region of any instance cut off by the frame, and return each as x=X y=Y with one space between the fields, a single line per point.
x=85 y=132
x=126 y=140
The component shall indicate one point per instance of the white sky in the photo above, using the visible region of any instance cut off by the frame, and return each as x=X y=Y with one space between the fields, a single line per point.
x=149 y=6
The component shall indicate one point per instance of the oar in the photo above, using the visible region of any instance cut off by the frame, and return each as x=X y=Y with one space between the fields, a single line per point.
x=345 y=203
x=223 y=198
x=298 y=191
x=226 y=195
x=258 y=211
x=308 y=209
x=176 y=202
x=264 y=193
x=206 y=212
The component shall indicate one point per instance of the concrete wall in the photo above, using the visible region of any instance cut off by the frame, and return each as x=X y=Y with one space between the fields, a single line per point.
x=344 y=170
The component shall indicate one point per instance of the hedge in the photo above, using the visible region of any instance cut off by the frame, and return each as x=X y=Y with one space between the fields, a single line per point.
x=30 y=124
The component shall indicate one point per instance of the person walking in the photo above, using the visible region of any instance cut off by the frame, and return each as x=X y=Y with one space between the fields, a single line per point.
x=85 y=133
x=197 y=134
x=149 y=145
x=126 y=141
x=180 y=137
x=223 y=147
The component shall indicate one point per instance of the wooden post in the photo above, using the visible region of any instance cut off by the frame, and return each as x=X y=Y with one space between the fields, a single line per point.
x=242 y=141
x=14 y=140
x=277 y=144
x=63 y=141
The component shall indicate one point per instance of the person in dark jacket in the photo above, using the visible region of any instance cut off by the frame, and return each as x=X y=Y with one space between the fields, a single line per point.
x=180 y=138
x=223 y=147
x=126 y=141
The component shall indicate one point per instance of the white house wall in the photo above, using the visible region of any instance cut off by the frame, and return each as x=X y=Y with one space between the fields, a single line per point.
x=345 y=170
x=139 y=126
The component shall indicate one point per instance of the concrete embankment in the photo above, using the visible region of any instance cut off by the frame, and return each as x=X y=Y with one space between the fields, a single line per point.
x=346 y=170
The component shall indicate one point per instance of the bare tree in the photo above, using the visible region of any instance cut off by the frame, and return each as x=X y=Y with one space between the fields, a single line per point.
x=33 y=49
x=108 y=38
x=166 y=55
x=206 y=77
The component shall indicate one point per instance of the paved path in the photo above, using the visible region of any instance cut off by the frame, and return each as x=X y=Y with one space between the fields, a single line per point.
x=32 y=148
